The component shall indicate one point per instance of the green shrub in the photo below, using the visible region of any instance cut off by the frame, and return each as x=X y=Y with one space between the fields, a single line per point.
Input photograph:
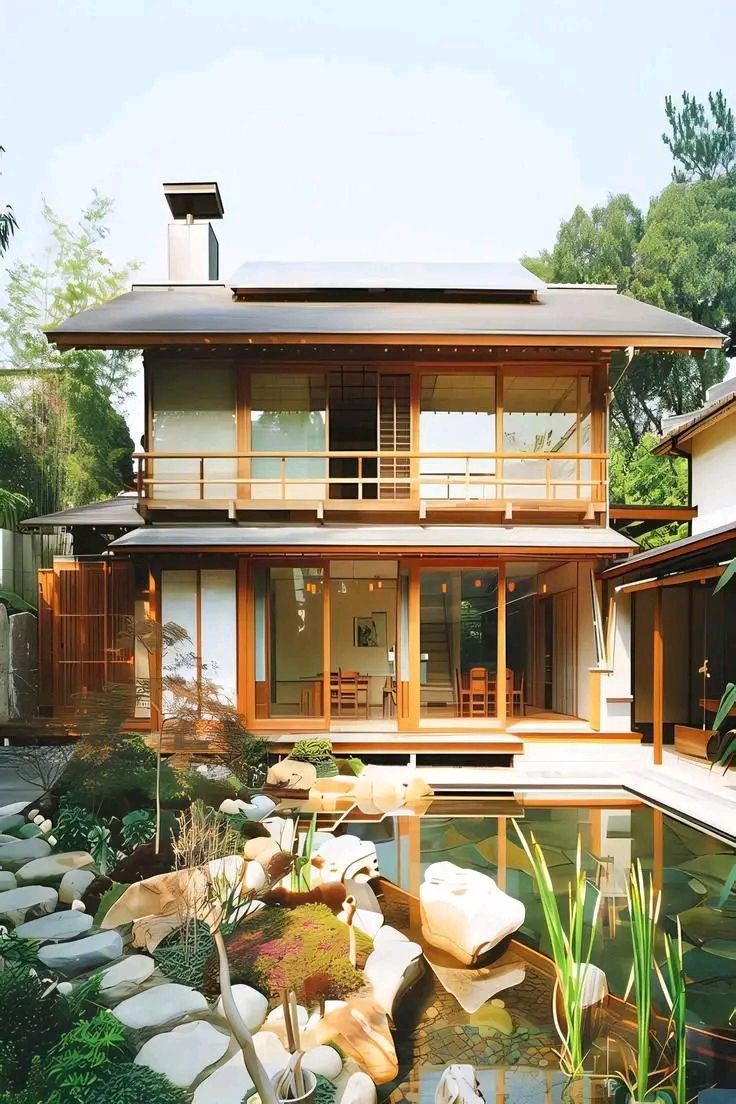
x=137 y=827
x=314 y=750
x=108 y=899
x=32 y=1020
x=324 y=1092
x=183 y=954
x=350 y=766
x=73 y=827
x=110 y=777
x=83 y=1059
x=318 y=752
x=304 y=948
x=212 y=791
x=131 y=1084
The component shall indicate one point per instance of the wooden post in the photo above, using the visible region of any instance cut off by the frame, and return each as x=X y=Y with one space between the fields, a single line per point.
x=501 y=648
x=657 y=677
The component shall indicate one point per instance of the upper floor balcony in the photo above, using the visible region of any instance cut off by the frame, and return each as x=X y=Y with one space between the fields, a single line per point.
x=418 y=483
x=379 y=437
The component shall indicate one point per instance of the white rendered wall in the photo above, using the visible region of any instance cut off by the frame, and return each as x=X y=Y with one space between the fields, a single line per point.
x=714 y=475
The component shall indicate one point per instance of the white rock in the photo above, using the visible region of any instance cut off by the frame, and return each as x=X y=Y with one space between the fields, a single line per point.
x=52 y=840
x=458 y=1085
x=39 y=818
x=595 y=985
x=7 y=881
x=52 y=868
x=160 y=1005
x=252 y=1005
x=347 y=857
x=392 y=967
x=17 y=904
x=65 y=988
x=78 y=906
x=185 y=1053
x=275 y=1021
x=359 y=1089
x=125 y=978
x=74 y=884
x=368 y=917
x=82 y=954
x=56 y=927
x=32 y=814
x=229 y=1084
x=464 y=912
x=230 y=806
x=14 y=855
x=325 y=1060
x=45 y=826
x=255 y=876
x=472 y=988
x=271 y=1051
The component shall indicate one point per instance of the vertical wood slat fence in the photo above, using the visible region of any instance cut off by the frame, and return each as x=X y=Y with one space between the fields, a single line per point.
x=86 y=611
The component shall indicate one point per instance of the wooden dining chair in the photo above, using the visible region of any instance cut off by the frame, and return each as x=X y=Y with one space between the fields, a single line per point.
x=478 y=692
x=462 y=695
x=514 y=694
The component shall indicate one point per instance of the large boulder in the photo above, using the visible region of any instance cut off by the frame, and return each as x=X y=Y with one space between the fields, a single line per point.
x=82 y=954
x=464 y=912
x=183 y=1054
x=348 y=856
x=358 y=1089
x=18 y=904
x=74 y=884
x=392 y=967
x=289 y=774
x=360 y=1029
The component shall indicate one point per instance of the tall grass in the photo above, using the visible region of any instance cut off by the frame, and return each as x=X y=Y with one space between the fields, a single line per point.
x=643 y=906
x=571 y=949
x=673 y=987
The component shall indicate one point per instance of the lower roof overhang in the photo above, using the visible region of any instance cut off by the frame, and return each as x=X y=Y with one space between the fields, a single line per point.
x=456 y=540
x=679 y=560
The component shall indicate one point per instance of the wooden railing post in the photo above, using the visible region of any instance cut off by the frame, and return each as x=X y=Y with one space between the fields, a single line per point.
x=657 y=677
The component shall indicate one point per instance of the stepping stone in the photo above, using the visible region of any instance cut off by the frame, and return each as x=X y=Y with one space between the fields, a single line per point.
x=12 y=809
x=230 y=1084
x=52 y=868
x=182 y=1055
x=15 y=904
x=11 y=821
x=7 y=881
x=161 y=1005
x=124 y=979
x=57 y=927
x=74 y=885
x=82 y=954
x=15 y=855
x=252 y=1005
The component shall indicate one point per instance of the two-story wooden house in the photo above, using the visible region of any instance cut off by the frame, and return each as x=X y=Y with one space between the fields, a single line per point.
x=375 y=496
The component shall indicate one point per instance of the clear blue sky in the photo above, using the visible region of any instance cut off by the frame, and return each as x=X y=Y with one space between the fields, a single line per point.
x=410 y=129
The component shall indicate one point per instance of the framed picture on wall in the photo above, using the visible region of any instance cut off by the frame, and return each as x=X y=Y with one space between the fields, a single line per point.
x=370 y=631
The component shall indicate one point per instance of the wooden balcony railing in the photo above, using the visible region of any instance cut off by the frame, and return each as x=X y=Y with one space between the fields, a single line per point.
x=343 y=480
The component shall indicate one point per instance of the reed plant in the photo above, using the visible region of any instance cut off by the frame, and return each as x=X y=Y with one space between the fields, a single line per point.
x=571 y=948
x=673 y=988
x=643 y=907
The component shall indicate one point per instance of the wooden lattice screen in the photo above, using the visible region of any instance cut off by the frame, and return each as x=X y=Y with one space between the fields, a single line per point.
x=85 y=613
x=394 y=435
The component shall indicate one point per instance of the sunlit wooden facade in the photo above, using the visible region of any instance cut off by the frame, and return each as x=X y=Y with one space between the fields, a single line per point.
x=376 y=512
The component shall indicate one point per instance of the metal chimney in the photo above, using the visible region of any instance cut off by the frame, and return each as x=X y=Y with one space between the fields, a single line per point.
x=194 y=252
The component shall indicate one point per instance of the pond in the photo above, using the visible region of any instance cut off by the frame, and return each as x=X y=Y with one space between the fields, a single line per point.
x=500 y=1018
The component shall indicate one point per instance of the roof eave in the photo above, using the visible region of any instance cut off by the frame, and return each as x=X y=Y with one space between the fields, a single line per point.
x=684 y=433
x=67 y=339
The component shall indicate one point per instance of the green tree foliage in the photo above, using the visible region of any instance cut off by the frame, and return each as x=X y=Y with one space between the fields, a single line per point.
x=702 y=140
x=63 y=441
x=637 y=476
x=8 y=225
